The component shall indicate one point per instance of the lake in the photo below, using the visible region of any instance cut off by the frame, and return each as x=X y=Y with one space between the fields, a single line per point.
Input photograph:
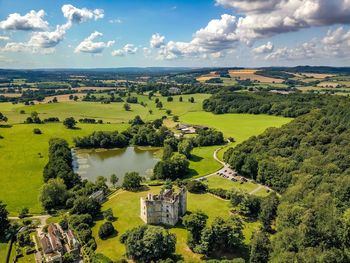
x=95 y=162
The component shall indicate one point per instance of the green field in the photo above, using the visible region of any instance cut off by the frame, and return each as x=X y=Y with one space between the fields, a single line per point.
x=3 y=251
x=126 y=206
x=216 y=181
x=21 y=167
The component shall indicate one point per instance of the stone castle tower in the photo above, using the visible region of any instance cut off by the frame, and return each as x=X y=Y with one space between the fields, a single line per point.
x=165 y=208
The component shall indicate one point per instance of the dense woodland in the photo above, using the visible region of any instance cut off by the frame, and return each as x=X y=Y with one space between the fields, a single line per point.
x=291 y=105
x=308 y=161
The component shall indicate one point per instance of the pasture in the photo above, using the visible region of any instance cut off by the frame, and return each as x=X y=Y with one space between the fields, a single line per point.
x=21 y=165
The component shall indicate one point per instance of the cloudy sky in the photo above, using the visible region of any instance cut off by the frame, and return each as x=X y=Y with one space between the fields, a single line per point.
x=117 y=33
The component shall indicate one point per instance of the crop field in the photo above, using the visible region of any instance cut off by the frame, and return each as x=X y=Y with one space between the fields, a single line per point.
x=126 y=205
x=209 y=76
x=245 y=74
x=63 y=98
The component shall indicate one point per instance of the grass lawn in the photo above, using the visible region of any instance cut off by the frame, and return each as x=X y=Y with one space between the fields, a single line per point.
x=238 y=126
x=126 y=205
x=3 y=251
x=21 y=167
x=27 y=259
x=202 y=161
x=219 y=182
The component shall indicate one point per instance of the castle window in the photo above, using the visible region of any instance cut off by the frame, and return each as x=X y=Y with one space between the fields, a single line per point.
x=167 y=215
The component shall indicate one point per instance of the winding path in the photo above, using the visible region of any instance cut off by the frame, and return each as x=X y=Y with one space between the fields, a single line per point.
x=228 y=173
x=42 y=219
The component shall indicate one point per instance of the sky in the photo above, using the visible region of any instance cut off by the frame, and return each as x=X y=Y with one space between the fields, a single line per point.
x=173 y=33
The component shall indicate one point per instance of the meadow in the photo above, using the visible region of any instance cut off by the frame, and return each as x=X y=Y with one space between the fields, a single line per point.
x=21 y=165
x=126 y=206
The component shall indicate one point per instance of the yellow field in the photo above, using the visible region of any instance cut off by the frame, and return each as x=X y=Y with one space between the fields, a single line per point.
x=209 y=76
x=11 y=95
x=328 y=84
x=245 y=74
x=63 y=98
x=317 y=75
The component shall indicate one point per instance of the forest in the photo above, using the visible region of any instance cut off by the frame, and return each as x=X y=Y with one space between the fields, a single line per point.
x=291 y=105
x=308 y=162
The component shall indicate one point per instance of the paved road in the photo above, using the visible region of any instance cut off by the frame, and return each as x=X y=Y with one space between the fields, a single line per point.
x=229 y=174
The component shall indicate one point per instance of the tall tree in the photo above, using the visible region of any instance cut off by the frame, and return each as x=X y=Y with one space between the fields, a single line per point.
x=4 y=221
x=194 y=223
x=259 y=248
x=53 y=194
x=69 y=123
x=148 y=243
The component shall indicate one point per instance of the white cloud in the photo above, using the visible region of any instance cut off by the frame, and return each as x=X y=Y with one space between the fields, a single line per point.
x=147 y=51
x=335 y=44
x=4 y=38
x=263 y=18
x=79 y=15
x=48 y=39
x=89 y=46
x=30 y=21
x=157 y=41
x=250 y=6
x=115 y=21
x=26 y=47
x=217 y=36
x=128 y=49
x=44 y=41
x=259 y=19
x=264 y=49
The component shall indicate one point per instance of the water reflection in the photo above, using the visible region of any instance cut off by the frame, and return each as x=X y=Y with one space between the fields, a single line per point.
x=92 y=163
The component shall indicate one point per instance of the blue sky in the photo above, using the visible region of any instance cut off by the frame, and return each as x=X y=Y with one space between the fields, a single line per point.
x=196 y=33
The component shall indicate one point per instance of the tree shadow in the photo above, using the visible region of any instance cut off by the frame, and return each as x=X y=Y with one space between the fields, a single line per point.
x=5 y=126
x=195 y=158
x=143 y=188
x=191 y=173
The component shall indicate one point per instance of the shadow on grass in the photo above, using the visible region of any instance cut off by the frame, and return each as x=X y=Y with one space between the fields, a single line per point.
x=115 y=234
x=240 y=252
x=143 y=188
x=5 y=126
x=191 y=173
x=196 y=158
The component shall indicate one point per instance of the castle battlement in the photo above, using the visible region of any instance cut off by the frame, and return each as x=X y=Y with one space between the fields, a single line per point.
x=165 y=208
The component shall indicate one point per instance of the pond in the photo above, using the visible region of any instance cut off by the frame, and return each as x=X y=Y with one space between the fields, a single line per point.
x=95 y=162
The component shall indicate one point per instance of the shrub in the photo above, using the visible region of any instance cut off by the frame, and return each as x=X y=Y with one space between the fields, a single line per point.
x=37 y=131
x=106 y=230
x=196 y=187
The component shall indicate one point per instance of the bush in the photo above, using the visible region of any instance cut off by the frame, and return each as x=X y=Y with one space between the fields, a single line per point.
x=106 y=230
x=37 y=131
x=224 y=194
x=108 y=215
x=196 y=187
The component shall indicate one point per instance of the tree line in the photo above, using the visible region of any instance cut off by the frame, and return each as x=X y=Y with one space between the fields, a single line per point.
x=308 y=161
x=290 y=105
